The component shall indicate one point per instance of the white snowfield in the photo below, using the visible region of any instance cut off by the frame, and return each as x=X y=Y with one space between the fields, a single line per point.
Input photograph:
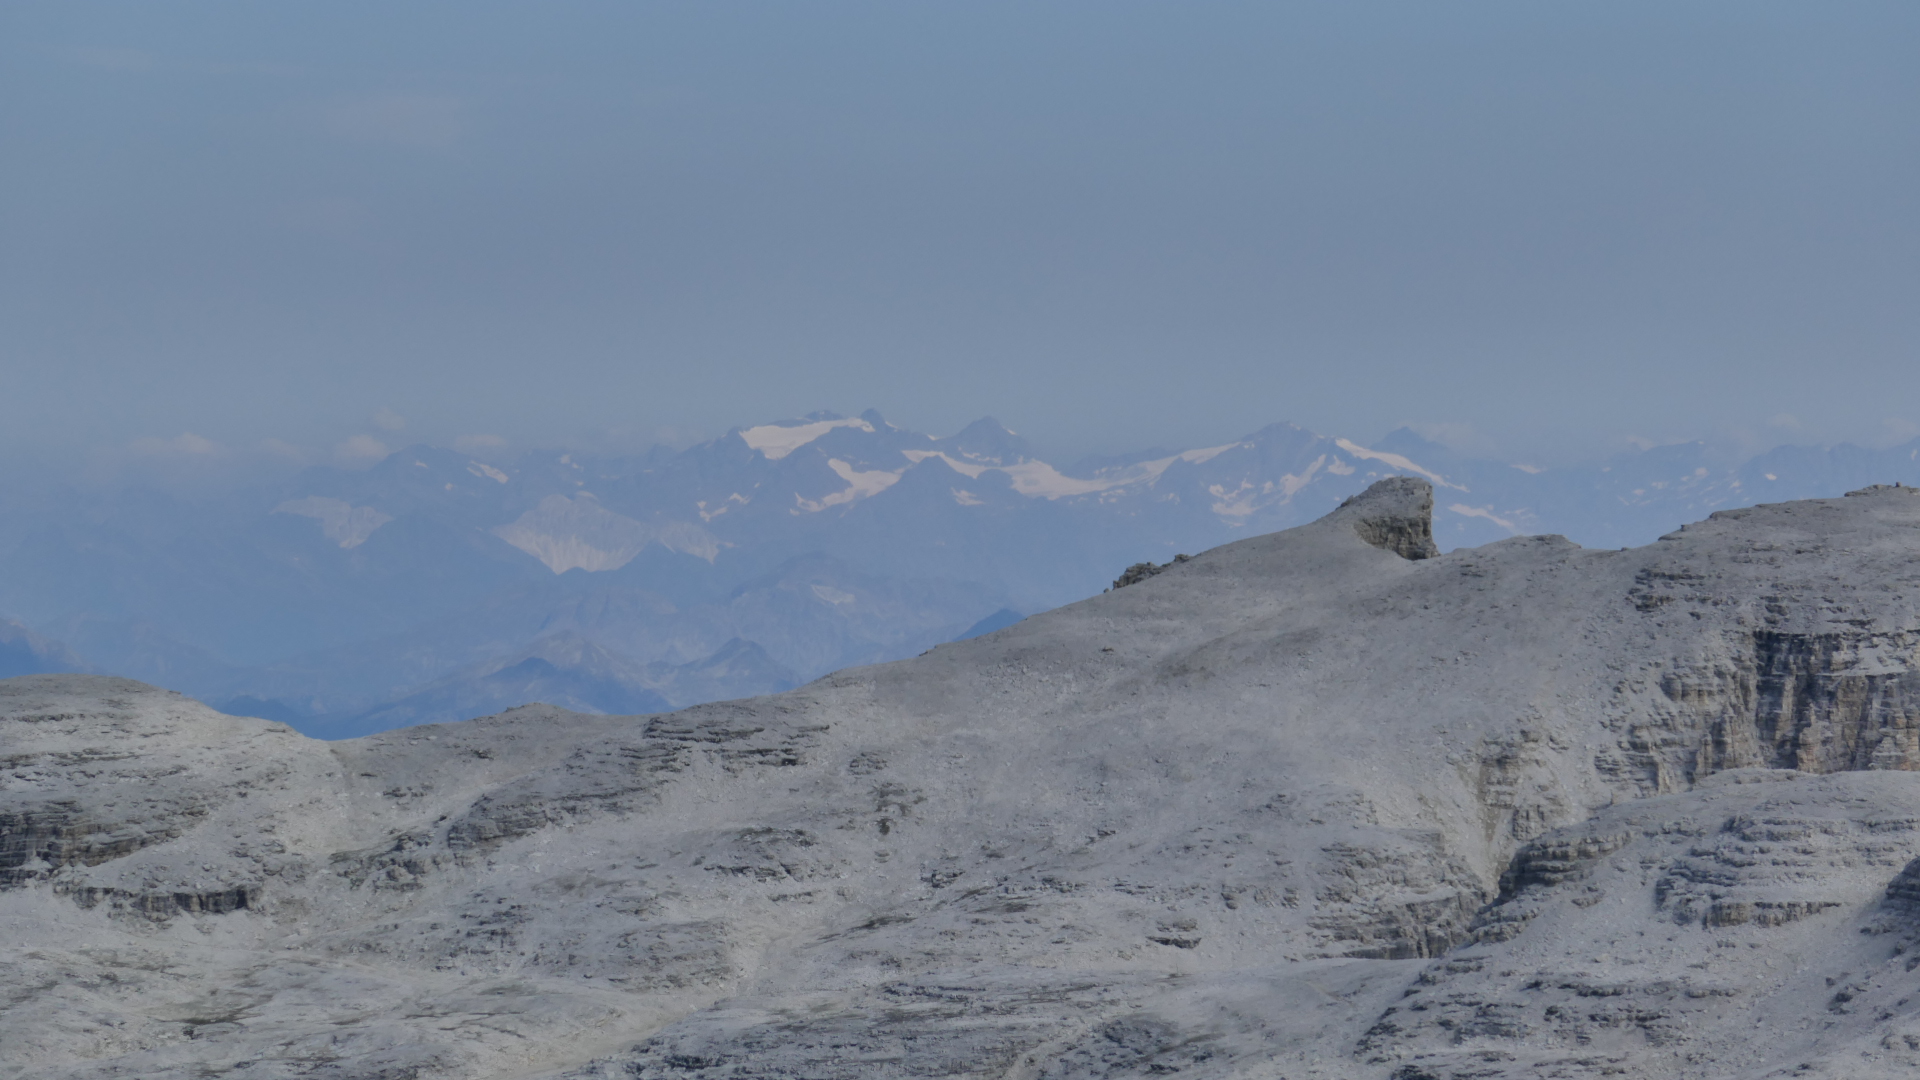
x=568 y=533
x=343 y=523
x=1037 y=479
x=1298 y=807
x=776 y=441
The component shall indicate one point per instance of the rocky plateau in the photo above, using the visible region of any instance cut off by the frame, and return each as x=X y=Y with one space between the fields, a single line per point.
x=1324 y=803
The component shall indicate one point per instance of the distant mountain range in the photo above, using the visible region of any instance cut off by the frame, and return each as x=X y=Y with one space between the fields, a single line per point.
x=438 y=586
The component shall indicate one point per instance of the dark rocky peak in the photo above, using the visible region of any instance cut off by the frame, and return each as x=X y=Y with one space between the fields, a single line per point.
x=1395 y=514
x=986 y=440
x=1139 y=572
x=1409 y=443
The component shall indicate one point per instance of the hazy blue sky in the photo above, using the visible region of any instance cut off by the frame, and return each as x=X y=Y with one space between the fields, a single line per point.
x=1110 y=224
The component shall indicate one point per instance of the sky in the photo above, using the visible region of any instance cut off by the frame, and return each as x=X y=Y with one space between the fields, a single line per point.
x=1529 y=228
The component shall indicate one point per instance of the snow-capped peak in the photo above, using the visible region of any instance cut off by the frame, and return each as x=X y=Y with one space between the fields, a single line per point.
x=776 y=441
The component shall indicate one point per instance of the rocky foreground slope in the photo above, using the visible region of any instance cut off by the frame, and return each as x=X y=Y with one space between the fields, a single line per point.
x=1301 y=806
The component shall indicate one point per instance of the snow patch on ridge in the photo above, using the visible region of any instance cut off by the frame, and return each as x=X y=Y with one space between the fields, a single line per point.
x=580 y=534
x=860 y=485
x=834 y=596
x=1484 y=512
x=345 y=524
x=776 y=441
x=1394 y=460
x=1244 y=500
x=735 y=499
x=1037 y=479
x=1196 y=457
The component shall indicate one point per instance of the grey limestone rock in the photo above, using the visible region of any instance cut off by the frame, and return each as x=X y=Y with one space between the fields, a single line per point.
x=1395 y=514
x=1315 y=804
x=1139 y=572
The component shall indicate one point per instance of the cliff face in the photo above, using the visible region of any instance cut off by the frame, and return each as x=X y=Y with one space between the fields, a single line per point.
x=1394 y=515
x=1822 y=702
x=1802 y=653
x=1318 y=803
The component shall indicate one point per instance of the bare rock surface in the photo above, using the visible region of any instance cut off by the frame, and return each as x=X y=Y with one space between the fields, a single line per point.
x=1320 y=803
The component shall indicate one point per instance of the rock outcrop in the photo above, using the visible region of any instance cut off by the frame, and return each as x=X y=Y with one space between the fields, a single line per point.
x=1141 y=571
x=1395 y=514
x=1321 y=803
